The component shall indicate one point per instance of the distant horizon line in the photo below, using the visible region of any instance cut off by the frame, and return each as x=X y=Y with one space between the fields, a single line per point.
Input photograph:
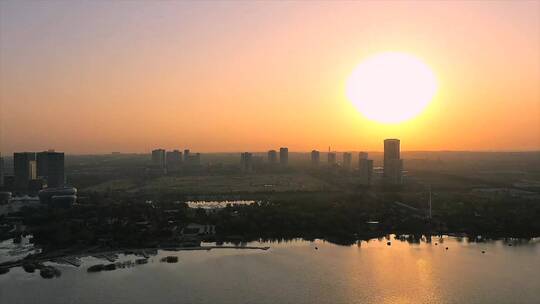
x=266 y=151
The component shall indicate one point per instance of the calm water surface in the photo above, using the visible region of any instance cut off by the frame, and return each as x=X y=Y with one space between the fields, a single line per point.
x=217 y=204
x=296 y=272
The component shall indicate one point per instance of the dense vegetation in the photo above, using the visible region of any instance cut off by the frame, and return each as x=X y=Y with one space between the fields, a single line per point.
x=339 y=218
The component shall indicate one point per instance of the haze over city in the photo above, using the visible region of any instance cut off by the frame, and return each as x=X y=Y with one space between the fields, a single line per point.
x=268 y=152
x=96 y=77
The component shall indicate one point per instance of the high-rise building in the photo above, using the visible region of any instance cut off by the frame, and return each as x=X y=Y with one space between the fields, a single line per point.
x=391 y=149
x=32 y=167
x=347 y=160
x=24 y=169
x=362 y=155
x=173 y=160
x=284 y=156
x=315 y=158
x=246 y=162
x=186 y=155
x=158 y=158
x=42 y=164
x=272 y=156
x=51 y=168
x=393 y=165
x=365 y=168
x=332 y=158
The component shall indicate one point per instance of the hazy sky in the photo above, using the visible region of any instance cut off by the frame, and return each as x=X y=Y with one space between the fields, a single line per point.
x=101 y=76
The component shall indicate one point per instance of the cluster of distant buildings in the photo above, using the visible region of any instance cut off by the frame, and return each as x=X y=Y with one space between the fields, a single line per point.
x=365 y=165
x=392 y=166
x=248 y=161
x=171 y=161
x=33 y=171
x=41 y=173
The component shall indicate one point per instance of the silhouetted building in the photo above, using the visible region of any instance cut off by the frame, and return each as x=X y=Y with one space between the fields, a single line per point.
x=58 y=197
x=24 y=169
x=272 y=156
x=173 y=160
x=362 y=155
x=50 y=168
x=393 y=165
x=365 y=168
x=284 y=156
x=391 y=149
x=332 y=158
x=347 y=160
x=246 y=162
x=315 y=158
x=42 y=164
x=9 y=182
x=158 y=158
x=186 y=155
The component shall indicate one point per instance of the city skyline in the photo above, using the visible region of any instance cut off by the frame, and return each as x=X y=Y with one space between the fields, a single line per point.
x=169 y=73
x=269 y=151
x=265 y=151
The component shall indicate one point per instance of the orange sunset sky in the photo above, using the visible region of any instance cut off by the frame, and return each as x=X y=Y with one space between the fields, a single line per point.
x=96 y=77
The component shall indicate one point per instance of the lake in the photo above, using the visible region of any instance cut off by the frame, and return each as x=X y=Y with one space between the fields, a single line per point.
x=217 y=204
x=303 y=272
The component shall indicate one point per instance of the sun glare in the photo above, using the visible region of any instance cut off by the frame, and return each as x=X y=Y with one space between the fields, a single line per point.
x=391 y=87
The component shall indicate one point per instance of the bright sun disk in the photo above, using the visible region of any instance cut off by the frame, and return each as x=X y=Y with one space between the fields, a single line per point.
x=391 y=87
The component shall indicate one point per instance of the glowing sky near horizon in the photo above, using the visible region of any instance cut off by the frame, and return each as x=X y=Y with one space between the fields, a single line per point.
x=391 y=87
x=93 y=77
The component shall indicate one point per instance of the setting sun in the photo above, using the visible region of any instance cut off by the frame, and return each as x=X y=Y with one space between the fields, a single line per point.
x=391 y=87
x=306 y=152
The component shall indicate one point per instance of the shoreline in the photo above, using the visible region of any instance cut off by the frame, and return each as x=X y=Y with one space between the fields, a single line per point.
x=40 y=260
x=66 y=254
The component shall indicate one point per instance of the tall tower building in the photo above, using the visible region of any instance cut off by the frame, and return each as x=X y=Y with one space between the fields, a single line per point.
x=284 y=156
x=51 y=167
x=347 y=160
x=158 y=158
x=362 y=155
x=365 y=168
x=186 y=155
x=393 y=164
x=246 y=162
x=272 y=156
x=332 y=158
x=173 y=160
x=24 y=169
x=391 y=149
x=315 y=158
